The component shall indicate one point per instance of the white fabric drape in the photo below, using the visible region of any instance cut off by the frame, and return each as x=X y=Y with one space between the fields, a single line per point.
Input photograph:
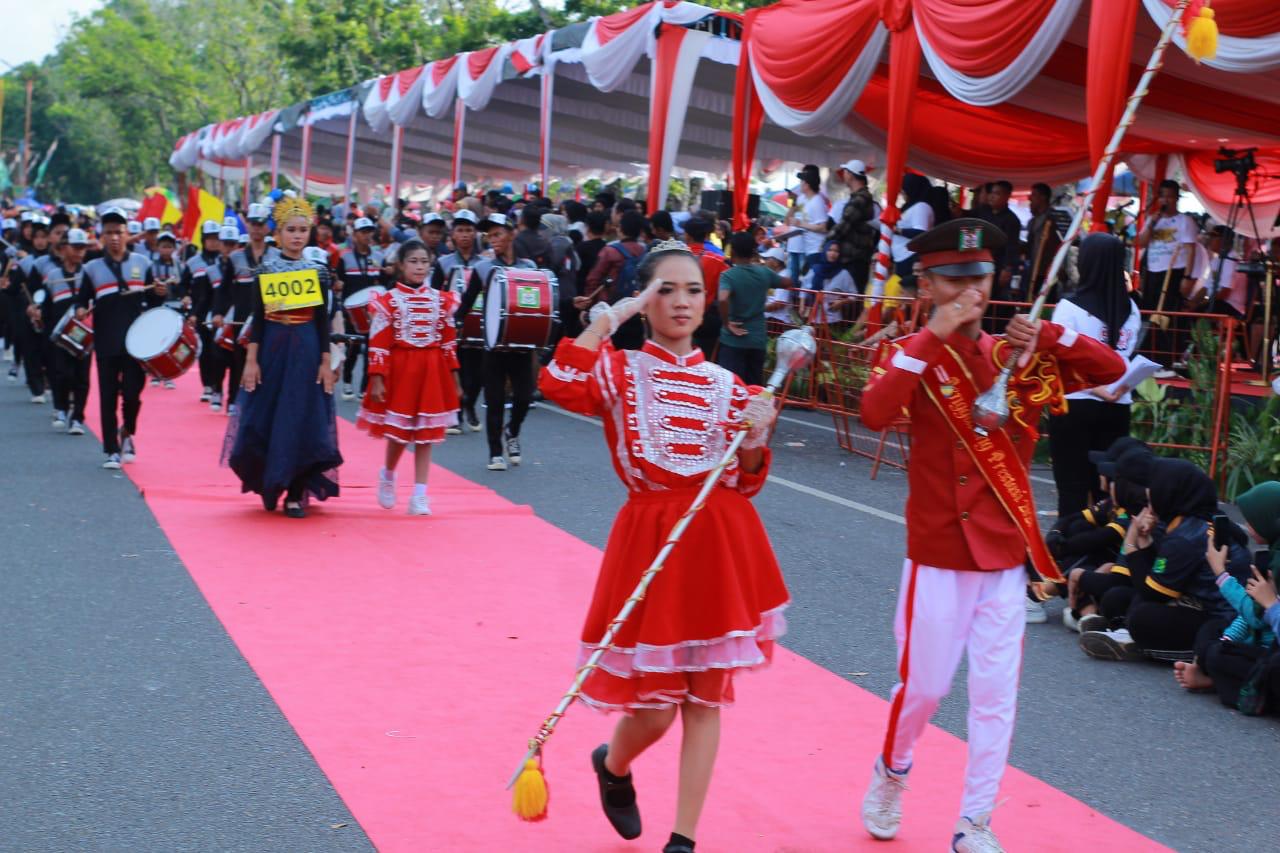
x=405 y=98
x=477 y=91
x=437 y=98
x=1239 y=55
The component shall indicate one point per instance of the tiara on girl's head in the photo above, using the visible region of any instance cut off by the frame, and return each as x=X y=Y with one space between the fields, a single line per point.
x=670 y=246
x=290 y=206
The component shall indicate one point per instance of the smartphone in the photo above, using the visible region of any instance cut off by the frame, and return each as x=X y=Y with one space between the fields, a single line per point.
x=1222 y=534
x=1262 y=561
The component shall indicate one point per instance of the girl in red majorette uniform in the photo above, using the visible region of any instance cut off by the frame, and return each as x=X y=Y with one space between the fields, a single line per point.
x=413 y=386
x=717 y=607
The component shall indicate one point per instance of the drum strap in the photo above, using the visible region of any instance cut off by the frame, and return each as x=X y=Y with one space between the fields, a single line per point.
x=118 y=271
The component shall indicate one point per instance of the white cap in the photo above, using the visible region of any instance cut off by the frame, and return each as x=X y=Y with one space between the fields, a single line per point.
x=432 y=217
x=498 y=219
x=41 y=219
x=25 y=216
x=77 y=237
x=244 y=239
x=209 y=227
x=151 y=223
x=229 y=234
x=112 y=213
x=258 y=213
x=270 y=239
x=364 y=223
x=134 y=226
x=857 y=167
x=465 y=215
x=775 y=254
x=9 y=223
x=166 y=235
x=315 y=254
x=231 y=221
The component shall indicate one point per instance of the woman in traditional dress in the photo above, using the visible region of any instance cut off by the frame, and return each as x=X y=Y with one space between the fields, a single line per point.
x=717 y=606
x=284 y=437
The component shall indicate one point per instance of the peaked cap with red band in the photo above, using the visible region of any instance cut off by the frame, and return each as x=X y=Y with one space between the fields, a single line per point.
x=959 y=248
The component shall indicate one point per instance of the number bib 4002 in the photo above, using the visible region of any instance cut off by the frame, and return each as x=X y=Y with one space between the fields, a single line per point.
x=286 y=291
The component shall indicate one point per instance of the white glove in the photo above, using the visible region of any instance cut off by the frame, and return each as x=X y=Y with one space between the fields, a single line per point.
x=598 y=310
x=759 y=415
x=624 y=309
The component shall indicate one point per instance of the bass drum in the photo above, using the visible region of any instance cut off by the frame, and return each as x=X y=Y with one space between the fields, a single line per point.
x=356 y=308
x=471 y=334
x=163 y=343
x=521 y=309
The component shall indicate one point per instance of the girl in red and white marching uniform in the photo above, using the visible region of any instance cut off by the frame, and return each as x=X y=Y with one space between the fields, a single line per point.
x=717 y=606
x=413 y=389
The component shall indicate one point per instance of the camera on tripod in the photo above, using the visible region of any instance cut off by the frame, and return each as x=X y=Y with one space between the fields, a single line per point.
x=1240 y=163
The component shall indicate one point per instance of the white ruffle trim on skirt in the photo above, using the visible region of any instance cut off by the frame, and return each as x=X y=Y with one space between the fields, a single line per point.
x=422 y=420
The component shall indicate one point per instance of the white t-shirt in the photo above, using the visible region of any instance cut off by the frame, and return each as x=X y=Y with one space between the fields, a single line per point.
x=841 y=283
x=917 y=217
x=1071 y=316
x=813 y=211
x=1170 y=232
x=783 y=311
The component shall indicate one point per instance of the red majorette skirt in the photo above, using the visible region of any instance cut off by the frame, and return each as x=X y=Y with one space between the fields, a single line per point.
x=716 y=608
x=421 y=400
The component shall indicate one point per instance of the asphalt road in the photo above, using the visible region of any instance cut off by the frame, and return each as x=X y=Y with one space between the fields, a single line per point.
x=129 y=721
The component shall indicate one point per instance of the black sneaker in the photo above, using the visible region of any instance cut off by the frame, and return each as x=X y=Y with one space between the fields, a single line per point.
x=617 y=796
x=472 y=420
x=513 y=448
x=1110 y=645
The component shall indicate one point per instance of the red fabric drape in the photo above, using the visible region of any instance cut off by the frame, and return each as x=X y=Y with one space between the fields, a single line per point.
x=1221 y=188
x=980 y=37
x=440 y=69
x=1244 y=18
x=665 y=60
x=802 y=50
x=748 y=117
x=384 y=86
x=904 y=76
x=896 y=14
x=405 y=79
x=1111 y=27
x=478 y=61
x=611 y=26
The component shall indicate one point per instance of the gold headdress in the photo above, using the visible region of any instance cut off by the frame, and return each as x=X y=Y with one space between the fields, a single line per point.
x=670 y=246
x=290 y=206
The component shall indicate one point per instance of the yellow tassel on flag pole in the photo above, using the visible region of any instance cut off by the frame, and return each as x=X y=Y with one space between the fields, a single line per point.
x=529 y=796
x=1202 y=35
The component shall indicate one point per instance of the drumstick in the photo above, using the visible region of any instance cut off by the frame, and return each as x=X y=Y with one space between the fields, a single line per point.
x=1159 y=319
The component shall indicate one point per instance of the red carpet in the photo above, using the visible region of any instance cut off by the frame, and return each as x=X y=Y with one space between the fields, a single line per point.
x=414 y=657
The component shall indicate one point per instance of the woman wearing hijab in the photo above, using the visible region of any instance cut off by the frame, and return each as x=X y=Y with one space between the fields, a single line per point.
x=1102 y=309
x=1176 y=592
x=917 y=218
x=829 y=276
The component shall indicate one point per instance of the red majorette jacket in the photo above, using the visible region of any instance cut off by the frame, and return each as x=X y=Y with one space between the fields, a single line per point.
x=956 y=519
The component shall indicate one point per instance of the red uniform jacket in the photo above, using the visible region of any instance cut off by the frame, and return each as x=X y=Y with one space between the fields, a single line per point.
x=954 y=519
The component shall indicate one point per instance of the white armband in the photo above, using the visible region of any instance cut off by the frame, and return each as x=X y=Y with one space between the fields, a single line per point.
x=905 y=362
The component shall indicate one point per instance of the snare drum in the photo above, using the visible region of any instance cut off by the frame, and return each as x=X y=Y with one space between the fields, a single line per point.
x=74 y=336
x=163 y=344
x=472 y=333
x=521 y=309
x=246 y=330
x=356 y=308
x=225 y=336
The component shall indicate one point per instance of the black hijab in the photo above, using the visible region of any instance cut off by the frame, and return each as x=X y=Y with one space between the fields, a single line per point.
x=1102 y=291
x=1180 y=488
x=915 y=188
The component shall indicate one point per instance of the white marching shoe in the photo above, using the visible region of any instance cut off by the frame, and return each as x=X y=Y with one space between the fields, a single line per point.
x=975 y=836
x=419 y=505
x=882 y=805
x=386 y=490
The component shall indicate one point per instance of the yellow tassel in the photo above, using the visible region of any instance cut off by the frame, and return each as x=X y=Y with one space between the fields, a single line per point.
x=529 y=796
x=1202 y=36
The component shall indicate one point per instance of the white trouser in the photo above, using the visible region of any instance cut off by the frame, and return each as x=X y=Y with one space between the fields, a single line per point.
x=940 y=613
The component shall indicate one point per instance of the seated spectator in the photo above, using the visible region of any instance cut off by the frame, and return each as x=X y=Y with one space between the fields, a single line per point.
x=1227 y=653
x=1175 y=592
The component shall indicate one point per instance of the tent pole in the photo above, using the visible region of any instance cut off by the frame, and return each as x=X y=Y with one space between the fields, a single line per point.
x=275 y=160
x=349 y=171
x=306 y=156
x=397 y=151
x=459 y=128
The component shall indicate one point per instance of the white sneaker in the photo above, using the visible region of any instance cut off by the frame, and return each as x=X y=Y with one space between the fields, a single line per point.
x=155 y=383
x=453 y=430
x=8 y=355
x=387 y=491
x=128 y=451
x=497 y=463
x=1166 y=373
x=38 y=399
x=419 y=505
x=233 y=410
x=1069 y=620
x=1035 y=613
x=215 y=402
x=59 y=420
x=882 y=805
x=169 y=384
x=206 y=394
x=113 y=462
x=348 y=393
x=1110 y=645
x=513 y=449
x=76 y=428
x=975 y=836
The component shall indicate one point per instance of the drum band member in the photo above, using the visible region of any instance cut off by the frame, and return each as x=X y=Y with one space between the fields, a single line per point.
x=201 y=278
x=359 y=267
x=68 y=375
x=718 y=606
x=465 y=255
x=971 y=517
x=224 y=364
x=501 y=366
x=27 y=315
x=166 y=267
x=118 y=286
x=253 y=251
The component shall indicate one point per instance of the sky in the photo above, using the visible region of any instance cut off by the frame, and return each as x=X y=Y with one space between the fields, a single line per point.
x=42 y=24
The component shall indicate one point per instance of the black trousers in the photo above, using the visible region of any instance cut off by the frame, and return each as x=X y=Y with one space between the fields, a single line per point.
x=471 y=376
x=1165 y=627
x=501 y=366
x=69 y=377
x=747 y=363
x=32 y=356
x=1094 y=587
x=237 y=358
x=120 y=378
x=210 y=356
x=1228 y=664
x=1087 y=425
x=357 y=351
x=1164 y=346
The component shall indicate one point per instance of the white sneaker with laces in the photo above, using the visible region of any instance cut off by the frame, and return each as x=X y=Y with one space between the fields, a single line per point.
x=453 y=430
x=348 y=393
x=497 y=463
x=1069 y=620
x=155 y=383
x=975 y=836
x=1035 y=613
x=419 y=505
x=59 y=420
x=38 y=399
x=882 y=805
x=215 y=402
x=386 y=491
x=113 y=462
x=169 y=384
x=1110 y=645
x=128 y=450
x=206 y=394
x=76 y=428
